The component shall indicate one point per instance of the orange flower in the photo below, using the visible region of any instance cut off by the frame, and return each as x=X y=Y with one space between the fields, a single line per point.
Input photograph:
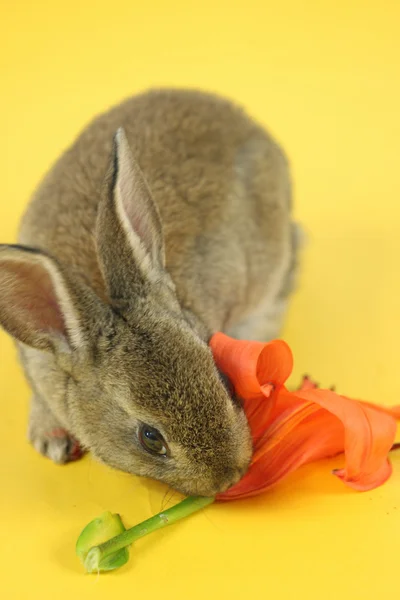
x=290 y=429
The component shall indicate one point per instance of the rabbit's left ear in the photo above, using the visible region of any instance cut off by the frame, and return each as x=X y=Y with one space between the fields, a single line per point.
x=40 y=305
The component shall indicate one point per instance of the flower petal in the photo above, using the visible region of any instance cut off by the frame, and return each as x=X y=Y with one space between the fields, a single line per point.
x=275 y=363
x=320 y=424
x=251 y=365
x=301 y=434
x=238 y=361
x=369 y=435
x=257 y=371
x=393 y=411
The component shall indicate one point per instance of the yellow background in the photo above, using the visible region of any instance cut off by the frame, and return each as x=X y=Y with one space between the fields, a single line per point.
x=324 y=77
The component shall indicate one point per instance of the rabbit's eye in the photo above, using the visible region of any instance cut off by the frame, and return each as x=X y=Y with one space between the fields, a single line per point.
x=152 y=440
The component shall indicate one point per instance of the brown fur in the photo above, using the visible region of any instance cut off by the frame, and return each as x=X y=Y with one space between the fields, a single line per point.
x=188 y=234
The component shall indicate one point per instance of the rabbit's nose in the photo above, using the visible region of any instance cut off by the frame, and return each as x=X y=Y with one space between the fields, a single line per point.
x=231 y=477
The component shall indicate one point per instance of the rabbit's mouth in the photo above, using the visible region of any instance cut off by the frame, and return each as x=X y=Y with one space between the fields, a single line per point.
x=232 y=480
x=212 y=488
x=208 y=483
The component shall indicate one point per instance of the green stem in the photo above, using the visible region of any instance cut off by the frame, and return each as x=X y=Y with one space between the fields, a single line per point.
x=162 y=519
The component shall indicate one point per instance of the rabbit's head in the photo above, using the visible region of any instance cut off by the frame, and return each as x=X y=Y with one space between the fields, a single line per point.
x=136 y=380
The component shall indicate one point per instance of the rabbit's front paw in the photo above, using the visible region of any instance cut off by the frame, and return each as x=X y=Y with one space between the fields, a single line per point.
x=57 y=444
x=49 y=439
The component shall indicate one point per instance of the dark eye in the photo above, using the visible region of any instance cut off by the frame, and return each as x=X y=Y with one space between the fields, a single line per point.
x=152 y=440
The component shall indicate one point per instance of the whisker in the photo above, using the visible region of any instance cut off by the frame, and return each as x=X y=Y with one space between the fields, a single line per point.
x=164 y=500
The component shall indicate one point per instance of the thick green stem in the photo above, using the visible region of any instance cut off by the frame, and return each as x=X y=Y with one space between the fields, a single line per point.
x=162 y=519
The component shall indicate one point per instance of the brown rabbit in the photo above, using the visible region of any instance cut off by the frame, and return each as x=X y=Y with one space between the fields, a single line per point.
x=122 y=278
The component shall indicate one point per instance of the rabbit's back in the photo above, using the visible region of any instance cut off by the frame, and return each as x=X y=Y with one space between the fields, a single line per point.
x=220 y=182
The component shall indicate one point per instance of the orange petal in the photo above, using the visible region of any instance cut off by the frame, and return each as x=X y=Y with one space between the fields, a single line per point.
x=393 y=411
x=257 y=371
x=369 y=435
x=274 y=364
x=251 y=365
x=321 y=424
x=303 y=434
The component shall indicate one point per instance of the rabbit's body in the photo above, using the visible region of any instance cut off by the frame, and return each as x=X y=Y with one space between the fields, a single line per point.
x=222 y=189
x=221 y=185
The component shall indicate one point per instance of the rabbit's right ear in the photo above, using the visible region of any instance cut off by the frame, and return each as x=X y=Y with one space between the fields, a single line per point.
x=42 y=306
x=128 y=230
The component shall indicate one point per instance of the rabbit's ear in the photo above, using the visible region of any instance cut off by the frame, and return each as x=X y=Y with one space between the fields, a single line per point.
x=128 y=231
x=39 y=305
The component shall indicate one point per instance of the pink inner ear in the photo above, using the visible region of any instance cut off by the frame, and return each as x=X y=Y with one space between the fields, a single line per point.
x=136 y=209
x=27 y=294
x=137 y=202
x=139 y=221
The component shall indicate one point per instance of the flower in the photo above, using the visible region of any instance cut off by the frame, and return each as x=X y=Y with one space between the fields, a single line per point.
x=290 y=429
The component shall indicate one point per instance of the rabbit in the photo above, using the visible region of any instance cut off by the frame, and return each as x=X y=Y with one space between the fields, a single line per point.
x=167 y=220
